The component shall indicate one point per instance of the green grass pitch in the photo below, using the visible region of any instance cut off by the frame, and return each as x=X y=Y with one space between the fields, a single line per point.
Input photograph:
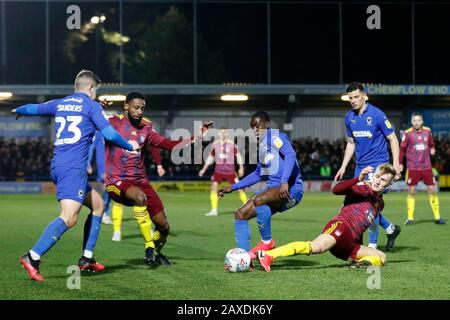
x=418 y=269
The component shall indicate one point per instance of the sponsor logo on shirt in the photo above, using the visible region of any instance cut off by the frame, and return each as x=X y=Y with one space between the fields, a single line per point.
x=78 y=100
x=420 y=147
x=362 y=134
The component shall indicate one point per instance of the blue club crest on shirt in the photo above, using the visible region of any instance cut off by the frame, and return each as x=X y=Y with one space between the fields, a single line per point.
x=369 y=121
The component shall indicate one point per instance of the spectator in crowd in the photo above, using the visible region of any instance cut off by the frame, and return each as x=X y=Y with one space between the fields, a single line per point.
x=30 y=159
x=325 y=170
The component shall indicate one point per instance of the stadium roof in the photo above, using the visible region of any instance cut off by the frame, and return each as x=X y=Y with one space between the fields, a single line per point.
x=260 y=96
x=258 y=89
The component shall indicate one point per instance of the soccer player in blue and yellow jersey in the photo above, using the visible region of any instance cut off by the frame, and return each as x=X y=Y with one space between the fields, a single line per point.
x=417 y=143
x=278 y=165
x=77 y=117
x=368 y=130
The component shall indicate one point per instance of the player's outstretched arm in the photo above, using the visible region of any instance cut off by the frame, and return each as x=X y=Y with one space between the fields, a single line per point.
x=30 y=109
x=249 y=180
x=43 y=109
x=346 y=187
x=111 y=134
x=157 y=140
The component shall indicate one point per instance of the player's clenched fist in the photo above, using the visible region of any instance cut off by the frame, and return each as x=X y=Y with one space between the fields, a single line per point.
x=365 y=172
x=222 y=191
x=205 y=127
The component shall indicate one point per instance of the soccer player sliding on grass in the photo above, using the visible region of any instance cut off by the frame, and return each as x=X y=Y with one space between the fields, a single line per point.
x=342 y=235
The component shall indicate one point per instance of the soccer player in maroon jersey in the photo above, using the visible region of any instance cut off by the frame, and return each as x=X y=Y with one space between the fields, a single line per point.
x=417 y=143
x=224 y=152
x=126 y=179
x=117 y=208
x=342 y=235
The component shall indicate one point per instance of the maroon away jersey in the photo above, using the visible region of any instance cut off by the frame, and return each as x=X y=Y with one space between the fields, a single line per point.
x=224 y=153
x=416 y=145
x=129 y=165
x=361 y=206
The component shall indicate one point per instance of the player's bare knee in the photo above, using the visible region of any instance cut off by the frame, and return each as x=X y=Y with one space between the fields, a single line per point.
x=240 y=214
x=140 y=199
x=98 y=209
x=258 y=201
x=69 y=220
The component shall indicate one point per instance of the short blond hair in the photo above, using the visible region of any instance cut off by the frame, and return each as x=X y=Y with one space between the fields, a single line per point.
x=86 y=78
x=386 y=168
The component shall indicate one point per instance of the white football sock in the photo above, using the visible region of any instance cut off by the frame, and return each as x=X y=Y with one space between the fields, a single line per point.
x=34 y=255
x=88 y=254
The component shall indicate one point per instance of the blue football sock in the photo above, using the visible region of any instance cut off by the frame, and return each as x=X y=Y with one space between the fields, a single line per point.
x=107 y=201
x=50 y=236
x=373 y=231
x=91 y=231
x=242 y=234
x=385 y=223
x=264 y=217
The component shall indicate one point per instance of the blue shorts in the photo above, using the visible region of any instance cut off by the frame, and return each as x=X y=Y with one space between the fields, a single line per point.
x=296 y=192
x=70 y=183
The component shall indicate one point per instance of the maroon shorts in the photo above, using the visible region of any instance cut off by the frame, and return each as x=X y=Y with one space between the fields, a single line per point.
x=219 y=177
x=346 y=247
x=414 y=176
x=118 y=190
